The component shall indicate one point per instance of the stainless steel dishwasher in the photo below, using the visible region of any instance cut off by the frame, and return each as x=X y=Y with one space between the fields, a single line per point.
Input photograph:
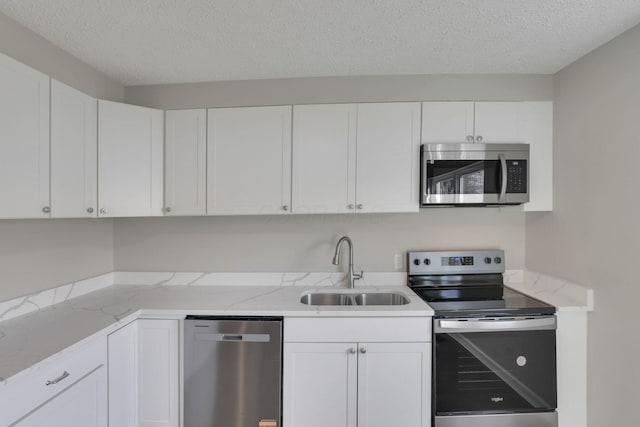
x=232 y=371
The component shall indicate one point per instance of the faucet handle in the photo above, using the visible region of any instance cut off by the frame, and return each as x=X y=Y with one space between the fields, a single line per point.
x=358 y=276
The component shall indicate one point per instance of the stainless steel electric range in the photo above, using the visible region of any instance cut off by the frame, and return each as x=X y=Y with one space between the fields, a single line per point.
x=494 y=355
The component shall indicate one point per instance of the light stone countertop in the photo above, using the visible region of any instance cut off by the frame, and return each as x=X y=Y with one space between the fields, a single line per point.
x=51 y=323
x=46 y=334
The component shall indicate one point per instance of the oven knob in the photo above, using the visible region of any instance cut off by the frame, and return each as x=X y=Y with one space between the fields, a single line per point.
x=487 y=260
x=497 y=260
x=416 y=262
x=427 y=261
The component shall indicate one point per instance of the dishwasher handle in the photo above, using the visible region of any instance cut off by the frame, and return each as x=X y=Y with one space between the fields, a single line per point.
x=233 y=337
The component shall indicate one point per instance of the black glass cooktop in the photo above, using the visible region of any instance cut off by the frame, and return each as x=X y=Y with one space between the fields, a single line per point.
x=512 y=303
x=475 y=295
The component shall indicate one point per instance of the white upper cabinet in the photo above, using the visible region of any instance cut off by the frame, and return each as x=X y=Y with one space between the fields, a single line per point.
x=185 y=183
x=444 y=122
x=388 y=147
x=249 y=160
x=130 y=160
x=24 y=141
x=539 y=135
x=324 y=150
x=74 y=156
x=500 y=122
x=356 y=157
x=468 y=122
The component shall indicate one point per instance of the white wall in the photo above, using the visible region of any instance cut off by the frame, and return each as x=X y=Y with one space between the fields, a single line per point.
x=593 y=235
x=41 y=254
x=318 y=90
x=307 y=242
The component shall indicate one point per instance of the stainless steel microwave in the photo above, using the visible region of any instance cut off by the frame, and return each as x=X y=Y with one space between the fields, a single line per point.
x=474 y=174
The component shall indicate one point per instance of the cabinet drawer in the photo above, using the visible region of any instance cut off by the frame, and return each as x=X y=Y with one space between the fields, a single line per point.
x=374 y=329
x=24 y=394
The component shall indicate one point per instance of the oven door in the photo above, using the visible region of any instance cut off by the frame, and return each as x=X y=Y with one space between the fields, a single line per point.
x=472 y=174
x=494 y=366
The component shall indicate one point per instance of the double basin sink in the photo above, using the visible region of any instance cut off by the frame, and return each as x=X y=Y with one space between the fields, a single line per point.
x=361 y=298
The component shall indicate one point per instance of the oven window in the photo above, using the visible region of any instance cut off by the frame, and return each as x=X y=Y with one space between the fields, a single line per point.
x=495 y=372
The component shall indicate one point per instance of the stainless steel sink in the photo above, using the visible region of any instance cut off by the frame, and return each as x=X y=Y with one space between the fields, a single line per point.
x=379 y=298
x=327 y=299
x=363 y=298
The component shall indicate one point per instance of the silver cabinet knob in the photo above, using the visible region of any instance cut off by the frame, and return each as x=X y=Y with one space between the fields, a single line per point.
x=363 y=350
x=46 y=209
x=352 y=350
x=285 y=207
x=470 y=138
x=103 y=211
x=90 y=210
x=167 y=209
x=360 y=206
x=479 y=138
x=350 y=207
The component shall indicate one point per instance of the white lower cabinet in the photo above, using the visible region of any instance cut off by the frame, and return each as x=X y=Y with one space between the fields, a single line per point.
x=320 y=384
x=69 y=391
x=144 y=389
x=82 y=404
x=358 y=383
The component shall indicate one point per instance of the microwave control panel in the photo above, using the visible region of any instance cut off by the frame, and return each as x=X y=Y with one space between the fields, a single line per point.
x=517 y=176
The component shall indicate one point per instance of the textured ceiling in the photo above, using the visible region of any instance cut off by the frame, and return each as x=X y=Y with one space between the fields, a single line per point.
x=162 y=41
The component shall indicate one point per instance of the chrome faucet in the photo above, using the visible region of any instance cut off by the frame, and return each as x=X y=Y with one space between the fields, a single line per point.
x=336 y=260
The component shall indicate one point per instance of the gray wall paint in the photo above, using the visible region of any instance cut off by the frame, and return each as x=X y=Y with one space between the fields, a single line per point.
x=37 y=52
x=506 y=87
x=593 y=234
x=41 y=254
x=306 y=242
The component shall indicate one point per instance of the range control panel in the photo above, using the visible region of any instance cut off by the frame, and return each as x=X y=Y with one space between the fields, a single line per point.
x=456 y=262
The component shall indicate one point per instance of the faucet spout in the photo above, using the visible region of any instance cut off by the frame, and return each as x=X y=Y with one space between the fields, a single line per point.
x=336 y=260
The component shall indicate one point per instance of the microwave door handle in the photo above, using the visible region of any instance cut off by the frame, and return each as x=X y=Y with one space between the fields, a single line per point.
x=503 y=186
x=425 y=165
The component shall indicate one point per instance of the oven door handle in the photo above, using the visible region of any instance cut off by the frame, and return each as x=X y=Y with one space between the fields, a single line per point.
x=503 y=186
x=452 y=326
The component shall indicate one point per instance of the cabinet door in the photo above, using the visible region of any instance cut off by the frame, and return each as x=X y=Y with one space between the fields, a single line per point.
x=24 y=141
x=394 y=384
x=324 y=150
x=539 y=116
x=74 y=151
x=500 y=122
x=444 y=122
x=82 y=404
x=123 y=390
x=185 y=162
x=158 y=373
x=144 y=388
x=388 y=153
x=130 y=143
x=249 y=160
x=320 y=385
